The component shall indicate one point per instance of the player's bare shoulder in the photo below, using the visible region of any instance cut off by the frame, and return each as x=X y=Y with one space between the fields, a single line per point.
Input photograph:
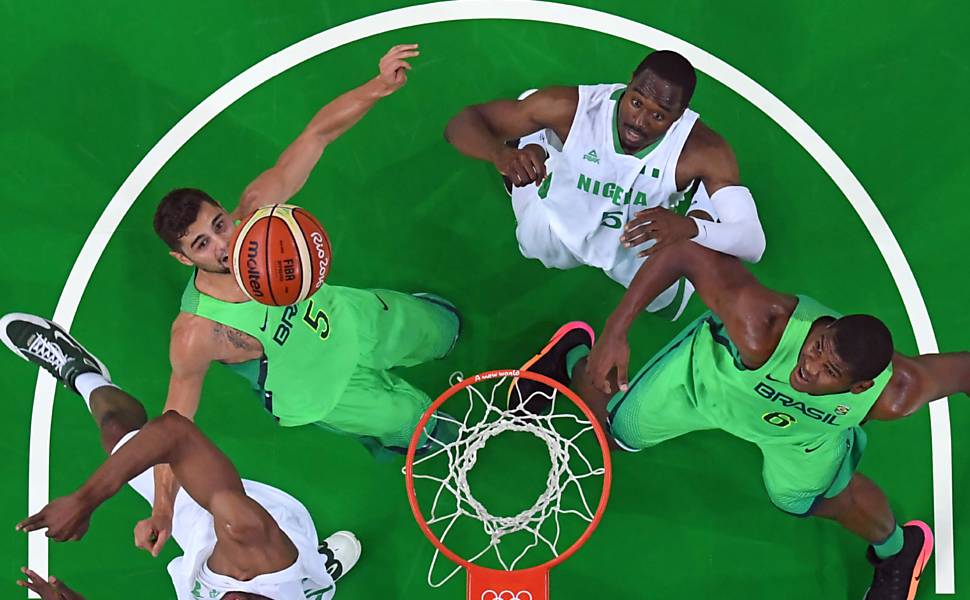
x=707 y=156
x=196 y=339
x=553 y=107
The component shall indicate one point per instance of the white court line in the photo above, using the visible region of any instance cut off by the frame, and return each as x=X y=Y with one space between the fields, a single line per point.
x=525 y=10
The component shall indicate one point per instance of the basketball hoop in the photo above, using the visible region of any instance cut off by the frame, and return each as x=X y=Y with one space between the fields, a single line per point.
x=564 y=430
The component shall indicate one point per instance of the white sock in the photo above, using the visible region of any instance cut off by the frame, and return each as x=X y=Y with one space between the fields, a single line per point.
x=86 y=383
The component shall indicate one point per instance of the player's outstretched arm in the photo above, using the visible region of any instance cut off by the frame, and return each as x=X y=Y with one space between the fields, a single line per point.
x=919 y=380
x=481 y=130
x=749 y=310
x=203 y=470
x=281 y=182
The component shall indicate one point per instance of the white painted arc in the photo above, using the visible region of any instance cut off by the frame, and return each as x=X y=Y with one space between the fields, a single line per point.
x=527 y=10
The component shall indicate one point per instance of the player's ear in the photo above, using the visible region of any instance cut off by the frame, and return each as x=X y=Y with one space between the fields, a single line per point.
x=180 y=257
x=861 y=386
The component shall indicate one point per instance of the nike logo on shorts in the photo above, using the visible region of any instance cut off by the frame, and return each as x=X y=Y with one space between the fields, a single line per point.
x=808 y=450
x=386 y=307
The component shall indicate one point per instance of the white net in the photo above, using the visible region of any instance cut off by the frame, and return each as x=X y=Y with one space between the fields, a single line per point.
x=561 y=428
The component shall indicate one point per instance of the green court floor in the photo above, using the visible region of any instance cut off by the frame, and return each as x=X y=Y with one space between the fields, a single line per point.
x=87 y=90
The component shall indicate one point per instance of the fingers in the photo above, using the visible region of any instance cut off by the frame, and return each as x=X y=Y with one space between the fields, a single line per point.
x=401 y=48
x=660 y=245
x=34 y=582
x=156 y=549
x=33 y=523
x=622 y=380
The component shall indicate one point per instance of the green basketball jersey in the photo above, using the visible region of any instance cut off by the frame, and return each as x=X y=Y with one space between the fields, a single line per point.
x=759 y=405
x=310 y=348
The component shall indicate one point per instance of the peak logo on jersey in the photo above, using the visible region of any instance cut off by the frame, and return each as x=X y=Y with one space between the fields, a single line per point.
x=615 y=193
x=767 y=392
x=591 y=157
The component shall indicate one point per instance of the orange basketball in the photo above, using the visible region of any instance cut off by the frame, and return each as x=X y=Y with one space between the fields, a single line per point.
x=280 y=255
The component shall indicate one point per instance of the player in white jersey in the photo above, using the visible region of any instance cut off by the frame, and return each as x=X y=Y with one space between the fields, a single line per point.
x=607 y=163
x=241 y=539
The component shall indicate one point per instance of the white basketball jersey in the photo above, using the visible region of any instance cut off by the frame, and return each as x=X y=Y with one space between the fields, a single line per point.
x=193 y=529
x=595 y=187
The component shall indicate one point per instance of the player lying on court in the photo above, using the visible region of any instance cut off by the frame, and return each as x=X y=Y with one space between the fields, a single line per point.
x=241 y=539
x=781 y=371
x=324 y=360
x=608 y=161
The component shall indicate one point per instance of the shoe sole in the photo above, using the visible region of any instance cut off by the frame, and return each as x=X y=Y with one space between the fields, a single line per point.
x=923 y=558
x=40 y=322
x=562 y=331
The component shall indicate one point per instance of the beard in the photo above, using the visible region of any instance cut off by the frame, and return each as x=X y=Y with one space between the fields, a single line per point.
x=216 y=269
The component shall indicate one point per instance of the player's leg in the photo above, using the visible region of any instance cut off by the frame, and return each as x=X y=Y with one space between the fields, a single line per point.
x=657 y=406
x=382 y=411
x=409 y=329
x=823 y=483
x=52 y=348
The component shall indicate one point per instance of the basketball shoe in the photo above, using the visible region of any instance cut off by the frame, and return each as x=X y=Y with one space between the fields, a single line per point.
x=49 y=346
x=897 y=577
x=536 y=397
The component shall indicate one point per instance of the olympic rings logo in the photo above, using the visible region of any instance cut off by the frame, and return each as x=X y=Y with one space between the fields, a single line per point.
x=506 y=595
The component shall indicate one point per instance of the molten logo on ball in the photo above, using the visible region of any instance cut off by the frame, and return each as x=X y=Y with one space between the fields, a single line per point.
x=252 y=269
x=280 y=255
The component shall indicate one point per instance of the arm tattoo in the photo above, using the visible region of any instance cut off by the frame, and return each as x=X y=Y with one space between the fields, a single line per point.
x=238 y=339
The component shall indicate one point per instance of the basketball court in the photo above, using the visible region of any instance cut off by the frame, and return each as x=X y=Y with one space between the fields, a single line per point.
x=89 y=92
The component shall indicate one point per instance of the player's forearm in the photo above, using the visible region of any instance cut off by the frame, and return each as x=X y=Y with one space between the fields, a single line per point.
x=201 y=468
x=739 y=232
x=743 y=239
x=344 y=111
x=166 y=488
x=153 y=444
x=470 y=134
x=655 y=275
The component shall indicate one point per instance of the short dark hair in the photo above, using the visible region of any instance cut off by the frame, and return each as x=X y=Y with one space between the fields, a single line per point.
x=864 y=343
x=177 y=210
x=672 y=67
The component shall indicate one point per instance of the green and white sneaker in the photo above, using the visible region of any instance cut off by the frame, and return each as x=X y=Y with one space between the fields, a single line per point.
x=340 y=551
x=49 y=346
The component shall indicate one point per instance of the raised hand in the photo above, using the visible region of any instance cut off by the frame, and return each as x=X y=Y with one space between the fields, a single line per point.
x=51 y=589
x=394 y=68
x=152 y=533
x=65 y=518
x=610 y=353
x=659 y=224
x=523 y=166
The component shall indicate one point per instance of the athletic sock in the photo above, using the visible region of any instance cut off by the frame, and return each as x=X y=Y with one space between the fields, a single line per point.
x=891 y=546
x=574 y=356
x=86 y=383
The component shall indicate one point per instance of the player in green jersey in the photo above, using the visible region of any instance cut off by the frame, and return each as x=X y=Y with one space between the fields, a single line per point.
x=781 y=371
x=325 y=360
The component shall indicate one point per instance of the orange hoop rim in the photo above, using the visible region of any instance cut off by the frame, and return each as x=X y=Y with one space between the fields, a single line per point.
x=498 y=374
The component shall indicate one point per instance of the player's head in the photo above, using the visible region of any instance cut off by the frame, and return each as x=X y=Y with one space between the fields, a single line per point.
x=196 y=228
x=243 y=596
x=844 y=355
x=657 y=95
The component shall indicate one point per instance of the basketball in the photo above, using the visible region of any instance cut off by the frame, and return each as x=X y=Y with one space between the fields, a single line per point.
x=280 y=255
